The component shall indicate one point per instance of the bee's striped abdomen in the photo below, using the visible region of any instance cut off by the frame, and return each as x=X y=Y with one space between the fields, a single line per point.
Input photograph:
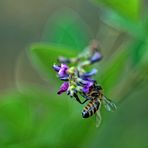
x=90 y=109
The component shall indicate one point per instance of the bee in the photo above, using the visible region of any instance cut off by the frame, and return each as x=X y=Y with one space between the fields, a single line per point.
x=93 y=107
x=96 y=98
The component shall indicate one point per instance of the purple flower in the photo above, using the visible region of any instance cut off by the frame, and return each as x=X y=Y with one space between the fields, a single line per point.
x=56 y=68
x=62 y=70
x=91 y=73
x=89 y=79
x=63 y=88
x=96 y=57
x=87 y=86
x=66 y=78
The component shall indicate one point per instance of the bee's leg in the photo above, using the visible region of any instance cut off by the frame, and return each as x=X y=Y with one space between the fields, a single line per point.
x=84 y=101
x=86 y=97
x=77 y=98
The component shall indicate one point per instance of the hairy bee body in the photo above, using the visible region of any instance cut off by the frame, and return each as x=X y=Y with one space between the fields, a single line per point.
x=91 y=108
x=95 y=97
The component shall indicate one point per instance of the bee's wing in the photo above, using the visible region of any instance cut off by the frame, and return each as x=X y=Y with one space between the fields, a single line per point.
x=109 y=105
x=98 y=118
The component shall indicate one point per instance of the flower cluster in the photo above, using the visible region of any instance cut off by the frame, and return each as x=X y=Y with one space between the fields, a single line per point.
x=76 y=79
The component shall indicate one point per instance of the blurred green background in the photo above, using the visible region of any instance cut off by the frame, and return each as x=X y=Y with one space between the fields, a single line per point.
x=33 y=34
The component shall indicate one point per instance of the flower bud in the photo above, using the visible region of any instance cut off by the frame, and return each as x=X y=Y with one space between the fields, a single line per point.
x=96 y=57
x=56 y=67
x=63 y=88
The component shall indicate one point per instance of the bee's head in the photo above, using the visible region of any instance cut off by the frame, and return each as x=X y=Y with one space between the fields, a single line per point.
x=98 y=87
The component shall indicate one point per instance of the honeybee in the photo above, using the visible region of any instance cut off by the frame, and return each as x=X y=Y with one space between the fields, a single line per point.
x=96 y=98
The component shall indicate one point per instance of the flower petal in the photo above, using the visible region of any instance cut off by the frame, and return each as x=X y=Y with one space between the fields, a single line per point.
x=64 y=78
x=89 y=79
x=85 y=90
x=64 y=66
x=91 y=73
x=63 y=88
x=87 y=86
x=63 y=70
x=56 y=67
x=96 y=57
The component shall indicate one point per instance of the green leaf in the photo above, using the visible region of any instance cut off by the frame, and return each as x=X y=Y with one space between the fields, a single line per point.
x=113 y=70
x=133 y=28
x=139 y=49
x=140 y=59
x=66 y=28
x=15 y=118
x=44 y=56
x=36 y=118
x=126 y=8
x=144 y=60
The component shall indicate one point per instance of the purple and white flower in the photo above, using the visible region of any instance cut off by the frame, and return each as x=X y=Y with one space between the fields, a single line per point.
x=62 y=70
